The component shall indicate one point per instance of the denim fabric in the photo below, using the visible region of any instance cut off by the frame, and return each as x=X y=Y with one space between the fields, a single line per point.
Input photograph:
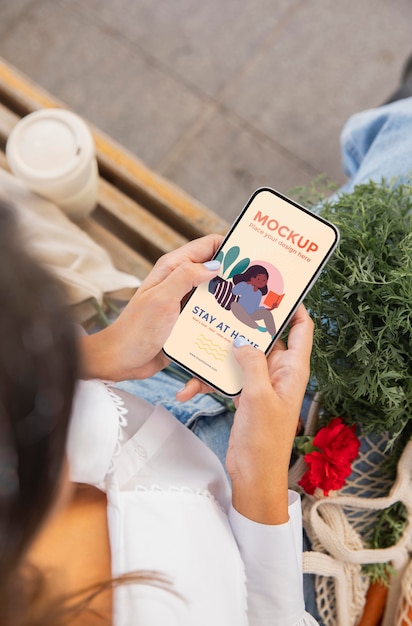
x=206 y=417
x=377 y=144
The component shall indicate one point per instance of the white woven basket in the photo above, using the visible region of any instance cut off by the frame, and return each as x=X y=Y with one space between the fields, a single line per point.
x=339 y=526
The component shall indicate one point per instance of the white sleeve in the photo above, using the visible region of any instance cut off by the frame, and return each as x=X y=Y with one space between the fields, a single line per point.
x=273 y=563
x=93 y=433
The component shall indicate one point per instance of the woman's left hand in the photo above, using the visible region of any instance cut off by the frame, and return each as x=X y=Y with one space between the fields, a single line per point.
x=131 y=347
x=266 y=420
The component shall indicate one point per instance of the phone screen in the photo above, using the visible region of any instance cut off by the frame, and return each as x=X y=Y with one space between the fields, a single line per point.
x=270 y=258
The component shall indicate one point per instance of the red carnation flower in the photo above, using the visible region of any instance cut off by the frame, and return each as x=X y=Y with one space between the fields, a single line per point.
x=335 y=447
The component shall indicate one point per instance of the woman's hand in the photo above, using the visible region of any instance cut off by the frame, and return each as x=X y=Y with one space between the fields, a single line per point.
x=265 y=423
x=131 y=347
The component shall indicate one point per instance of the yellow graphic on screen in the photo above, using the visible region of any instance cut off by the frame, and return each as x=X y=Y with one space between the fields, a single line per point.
x=211 y=348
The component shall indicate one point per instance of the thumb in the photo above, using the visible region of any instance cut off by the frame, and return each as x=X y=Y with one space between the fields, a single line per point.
x=188 y=275
x=253 y=364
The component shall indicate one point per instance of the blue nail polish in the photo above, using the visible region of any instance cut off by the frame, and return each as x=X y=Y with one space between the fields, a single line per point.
x=240 y=341
x=212 y=265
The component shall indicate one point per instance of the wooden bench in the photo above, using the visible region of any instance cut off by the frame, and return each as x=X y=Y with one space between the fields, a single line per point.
x=139 y=215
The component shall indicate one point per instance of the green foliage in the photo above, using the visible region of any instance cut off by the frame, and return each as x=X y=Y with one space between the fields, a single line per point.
x=315 y=193
x=379 y=573
x=389 y=527
x=362 y=309
x=387 y=531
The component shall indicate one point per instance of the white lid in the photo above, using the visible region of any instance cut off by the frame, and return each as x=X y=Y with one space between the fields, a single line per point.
x=48 y=145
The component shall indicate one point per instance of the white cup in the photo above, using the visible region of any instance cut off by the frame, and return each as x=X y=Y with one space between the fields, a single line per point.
x=52 y=152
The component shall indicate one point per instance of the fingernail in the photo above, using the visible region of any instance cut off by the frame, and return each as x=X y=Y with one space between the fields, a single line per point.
x=212 y=265
x=240 y=341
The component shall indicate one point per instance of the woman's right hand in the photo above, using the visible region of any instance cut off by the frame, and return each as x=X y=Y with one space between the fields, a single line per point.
x=131 y=347
x=266 y=421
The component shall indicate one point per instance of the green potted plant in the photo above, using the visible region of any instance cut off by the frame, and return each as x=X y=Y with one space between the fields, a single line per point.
x=362 y=308
x=362 y=352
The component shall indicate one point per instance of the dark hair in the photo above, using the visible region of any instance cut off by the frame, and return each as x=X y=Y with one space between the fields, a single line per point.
x=38 y=368
x=252 y=272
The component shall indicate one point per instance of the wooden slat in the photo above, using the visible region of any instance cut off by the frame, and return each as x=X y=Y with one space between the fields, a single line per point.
x=8 y=120
x=163 y=198
x=20 y=93
x=135 y=224
x=123 y=257
x=139 y=215
x=130 y=230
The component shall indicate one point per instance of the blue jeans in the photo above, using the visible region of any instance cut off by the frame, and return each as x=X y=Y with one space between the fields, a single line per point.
x=376 y=144
x=208 y=418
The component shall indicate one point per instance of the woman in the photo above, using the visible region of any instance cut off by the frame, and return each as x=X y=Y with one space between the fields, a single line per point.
x=38 y=366
x=179 y=545
x=250 y=287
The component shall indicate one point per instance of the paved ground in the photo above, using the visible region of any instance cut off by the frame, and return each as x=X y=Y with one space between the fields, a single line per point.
x=219 y=96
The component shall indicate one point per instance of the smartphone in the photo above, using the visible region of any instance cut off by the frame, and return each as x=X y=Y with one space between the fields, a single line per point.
x=272 y=255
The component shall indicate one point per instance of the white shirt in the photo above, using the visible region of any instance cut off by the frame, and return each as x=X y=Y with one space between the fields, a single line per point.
x=169 y=511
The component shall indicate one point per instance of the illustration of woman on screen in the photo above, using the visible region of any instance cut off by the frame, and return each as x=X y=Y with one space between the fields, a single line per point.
x=249 y=287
